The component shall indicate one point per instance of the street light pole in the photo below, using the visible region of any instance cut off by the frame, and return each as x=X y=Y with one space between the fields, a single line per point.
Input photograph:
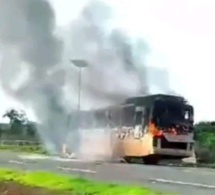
x=79 y=89
x=79 y=64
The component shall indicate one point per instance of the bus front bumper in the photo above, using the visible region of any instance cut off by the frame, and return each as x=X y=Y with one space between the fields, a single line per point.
x=173 y=152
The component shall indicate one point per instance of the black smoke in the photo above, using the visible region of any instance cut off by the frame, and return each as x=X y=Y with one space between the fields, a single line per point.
x=28 y=42
x=116 y=61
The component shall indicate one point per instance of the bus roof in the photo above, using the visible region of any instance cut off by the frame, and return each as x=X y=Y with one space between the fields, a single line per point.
x=138 y=101
x=151 y=98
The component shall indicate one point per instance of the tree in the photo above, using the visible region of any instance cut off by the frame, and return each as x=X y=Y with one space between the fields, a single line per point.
x=205 y=141
x=18 y=121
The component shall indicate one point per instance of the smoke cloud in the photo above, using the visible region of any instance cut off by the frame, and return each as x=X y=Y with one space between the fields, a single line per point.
x=115 y=71
x=33 y=70
x=30 y=48
x=116 y=62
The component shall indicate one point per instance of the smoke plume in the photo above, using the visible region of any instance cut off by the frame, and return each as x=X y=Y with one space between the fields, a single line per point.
x=115 y=70
x=29 y=45
x=32 y=68
x=116 y=62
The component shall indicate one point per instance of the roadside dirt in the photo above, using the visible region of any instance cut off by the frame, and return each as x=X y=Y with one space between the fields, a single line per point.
x=12 y=188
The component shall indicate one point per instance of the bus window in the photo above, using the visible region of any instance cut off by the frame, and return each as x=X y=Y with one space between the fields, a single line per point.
x=138 y=118
x=140 y=112
x=188 y=113
x=101 y=119
x=128 y=116
x=116 y=117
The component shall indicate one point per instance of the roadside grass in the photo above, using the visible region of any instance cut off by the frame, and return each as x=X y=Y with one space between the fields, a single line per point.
x=35 y=149
x=72 y=185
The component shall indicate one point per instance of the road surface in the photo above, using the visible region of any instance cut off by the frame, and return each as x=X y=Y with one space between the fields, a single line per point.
x=185 y=181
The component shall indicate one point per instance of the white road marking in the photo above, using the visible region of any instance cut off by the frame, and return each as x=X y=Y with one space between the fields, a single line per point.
x=54 y=158
x=34 y=157
x=203 y=172
x=77 y=170
x=66 y=159
x=182 y=183
x=43 y=157
x=16 y=162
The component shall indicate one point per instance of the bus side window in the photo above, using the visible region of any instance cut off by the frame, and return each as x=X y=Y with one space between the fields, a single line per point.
x=99 y=119
x=115 y=118
x=138 y=118
x=128 y=117
x=140 y=112
x=109 y=118
x=94 y=120
x=91 y=120
x=186 y=115
x=146 y=116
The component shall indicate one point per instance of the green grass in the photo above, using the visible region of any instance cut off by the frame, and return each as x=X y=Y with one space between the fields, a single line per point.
x=28 y=149
x=68 y=184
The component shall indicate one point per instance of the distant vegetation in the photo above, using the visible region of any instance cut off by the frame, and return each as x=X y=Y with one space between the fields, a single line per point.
x=205 y=142
x=18 y=131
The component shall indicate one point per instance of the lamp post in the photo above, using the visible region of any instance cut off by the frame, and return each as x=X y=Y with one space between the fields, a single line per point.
x=79 y=64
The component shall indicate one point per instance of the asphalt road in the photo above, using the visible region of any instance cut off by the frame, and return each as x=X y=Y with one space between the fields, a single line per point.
x=185 y=181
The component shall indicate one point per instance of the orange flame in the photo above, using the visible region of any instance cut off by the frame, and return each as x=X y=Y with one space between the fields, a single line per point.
x=154 y=130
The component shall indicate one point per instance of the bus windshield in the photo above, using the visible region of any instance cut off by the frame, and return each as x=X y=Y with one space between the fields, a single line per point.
x=171 y=112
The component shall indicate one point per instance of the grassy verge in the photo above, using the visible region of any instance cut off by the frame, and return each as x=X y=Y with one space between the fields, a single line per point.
x=71 y=185
x=28 y=149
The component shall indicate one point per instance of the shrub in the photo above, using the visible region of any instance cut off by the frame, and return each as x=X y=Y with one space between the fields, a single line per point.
x=205 y=142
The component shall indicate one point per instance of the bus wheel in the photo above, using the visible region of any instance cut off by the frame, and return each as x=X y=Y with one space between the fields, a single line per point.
x=127 y=159
x=151 y=160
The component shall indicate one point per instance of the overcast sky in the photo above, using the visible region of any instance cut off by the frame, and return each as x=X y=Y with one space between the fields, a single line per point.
x=181 y=34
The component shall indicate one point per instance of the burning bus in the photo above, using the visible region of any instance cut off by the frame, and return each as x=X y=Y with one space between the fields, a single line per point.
x=150 y=127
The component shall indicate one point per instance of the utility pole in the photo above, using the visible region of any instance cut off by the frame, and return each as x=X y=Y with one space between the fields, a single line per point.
x=79 y=64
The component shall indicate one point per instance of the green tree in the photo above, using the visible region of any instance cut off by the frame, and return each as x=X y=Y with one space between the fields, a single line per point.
x=205 y=141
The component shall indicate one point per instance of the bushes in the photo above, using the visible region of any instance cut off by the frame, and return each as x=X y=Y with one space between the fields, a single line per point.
x=26 y=148
x=205 y=142
x=17 y=131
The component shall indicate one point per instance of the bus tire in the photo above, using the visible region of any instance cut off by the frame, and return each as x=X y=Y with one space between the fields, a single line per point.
x=151 y=160
x=127 y=159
